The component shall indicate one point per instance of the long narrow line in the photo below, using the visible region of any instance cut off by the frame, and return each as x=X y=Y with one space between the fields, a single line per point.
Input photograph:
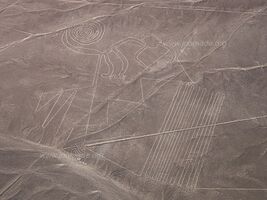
x=159 y=153
x=177 y=111
x=206 y=147
x=39 y=101
x=172 y=143
x=200 y=153
x=115 y=163
x=176 y=138
x=98 y=65
x=59 y=95
x=200 y=135
x=234 y=189
x=198 y=169
x=183 y=152
x=68 y=135
x=125 y=115
x=198 y=117
x=205 y=10
x=182 y=176
x=117 y=139
x=126 y=62
x=59 y=109
x=218 y=113
x=180 y=7
x=99 y=62
x=187 y=155
x=164 y=121
x=159 y=140
x=197 y=106
x=65 y=113
x=198 y=163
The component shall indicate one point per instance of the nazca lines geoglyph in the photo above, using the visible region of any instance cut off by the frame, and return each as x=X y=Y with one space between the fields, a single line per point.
x=86 y=34
x=177 y=159
x=80 y=38
x=84 y=38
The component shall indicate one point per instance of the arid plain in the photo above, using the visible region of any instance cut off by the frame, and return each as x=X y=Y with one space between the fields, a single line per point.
x=133 y=100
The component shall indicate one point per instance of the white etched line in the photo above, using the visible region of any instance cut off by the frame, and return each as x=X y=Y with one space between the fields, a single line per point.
x=61 y=107
x=199 y=136
x=111 y=161
x=87 y=33
x=40 y=97
x=129 y=137
x=206 y=146
x=177 y=139
x=169 y=142
x=164 y=121
x=183 y=175
x=179 y=143
x=156 y=60
x=194 y=135
x=166 y=139
x=160 y=152
x=127 y=101
x=137 y=54
x=110 y=66
x=205 y=137
x=124 y=61
x=159 y=141
x=180 y=53
x=108 y=102
x=142 y=90
x=68 y=136
x=218 y=113
x=177 y=149
x=125 y=115
x=73 y=95
x=77 y=50
x=197 y=172
x=181 y=7
x=98 y=65
x=234 y=189
x=197 y=116
x=181 y=138
x=128 y=40
x=196 y=164
x=45 y=123
x=206 y=9
x=93 y=93
x=58 y=95
x=213 y=127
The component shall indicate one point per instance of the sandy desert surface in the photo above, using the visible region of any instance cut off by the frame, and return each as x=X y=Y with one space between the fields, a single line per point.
x=133 y=100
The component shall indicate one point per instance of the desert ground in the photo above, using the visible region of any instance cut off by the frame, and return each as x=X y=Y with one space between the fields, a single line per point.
x=133 y=100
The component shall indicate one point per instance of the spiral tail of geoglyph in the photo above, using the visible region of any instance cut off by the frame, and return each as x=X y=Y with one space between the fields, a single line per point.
x=87 y=33
x=177 y=158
